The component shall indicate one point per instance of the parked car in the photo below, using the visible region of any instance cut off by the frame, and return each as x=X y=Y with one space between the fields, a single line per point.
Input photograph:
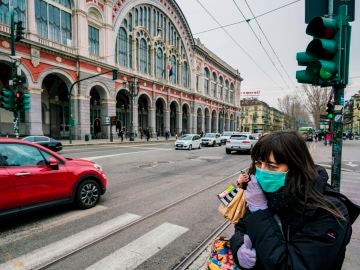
x=188 y=141
x=211 y=139
x=50 y=143
x=256 y=135
x=240 y=143
x=33 y=177
x=226 y=135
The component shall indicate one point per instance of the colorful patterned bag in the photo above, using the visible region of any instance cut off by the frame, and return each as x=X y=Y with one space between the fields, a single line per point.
x=221 y=257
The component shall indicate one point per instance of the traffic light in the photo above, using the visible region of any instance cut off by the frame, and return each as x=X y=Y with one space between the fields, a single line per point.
x=330 y=111
x=322 y=56
x=22 y=101
x=7 y=99
x=115 y=74
x=19 y=31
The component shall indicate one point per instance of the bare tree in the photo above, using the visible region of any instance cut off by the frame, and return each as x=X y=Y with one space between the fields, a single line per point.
x=315 y=99
x=292 y=106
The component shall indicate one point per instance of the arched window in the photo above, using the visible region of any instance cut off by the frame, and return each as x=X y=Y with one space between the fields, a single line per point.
x=221 y=87
x=232 y=93
x=143 y=56
x=160 y=63
x=19 y=12
x=54 y=21
x=206 y=81
x=214 y=84
x=226 y=91
x=173 y=69
x=185 y=75
x=122 y=45
x=130 y=18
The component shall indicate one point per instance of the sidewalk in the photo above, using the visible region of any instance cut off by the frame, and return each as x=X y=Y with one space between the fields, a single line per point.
x=350 y=186
x=116 y=140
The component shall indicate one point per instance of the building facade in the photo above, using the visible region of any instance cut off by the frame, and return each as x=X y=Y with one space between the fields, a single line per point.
x=258 y=117
x=352 y=115
x=183 y=87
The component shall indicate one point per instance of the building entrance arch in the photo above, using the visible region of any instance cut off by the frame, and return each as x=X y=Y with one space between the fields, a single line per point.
x=199 y=120
x=143 y=113
x=207 y=121
x=174 y=121
x=55 y=106
x=123 y=111
x=160 y=116
x=186 y=118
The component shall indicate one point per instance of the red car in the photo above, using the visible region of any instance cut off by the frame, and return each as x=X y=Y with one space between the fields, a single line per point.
x=32 y=176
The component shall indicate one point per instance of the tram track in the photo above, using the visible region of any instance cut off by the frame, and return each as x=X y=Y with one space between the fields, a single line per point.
x=152 y=214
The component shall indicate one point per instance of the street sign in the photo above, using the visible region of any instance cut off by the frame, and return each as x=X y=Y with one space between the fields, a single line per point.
x=107 y=120
x=72 y=122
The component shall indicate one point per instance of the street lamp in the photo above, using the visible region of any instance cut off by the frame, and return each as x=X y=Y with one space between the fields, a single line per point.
x=133 y=87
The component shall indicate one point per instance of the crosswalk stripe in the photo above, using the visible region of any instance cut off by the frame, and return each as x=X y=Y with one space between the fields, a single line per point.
x=43 y=255
x=25 y=231
x=124 y=154
x=141 y=249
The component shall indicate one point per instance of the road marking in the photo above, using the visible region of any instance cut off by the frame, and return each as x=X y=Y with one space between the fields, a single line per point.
x=26 y=231
x=84 y=148
x=140 y=250
x=43 y=255
x=123 y=154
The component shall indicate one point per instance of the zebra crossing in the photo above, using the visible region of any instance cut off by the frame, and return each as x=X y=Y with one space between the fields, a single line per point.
x=127 y=257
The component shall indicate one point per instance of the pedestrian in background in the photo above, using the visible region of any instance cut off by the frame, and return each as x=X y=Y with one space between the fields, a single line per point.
x=291 y=222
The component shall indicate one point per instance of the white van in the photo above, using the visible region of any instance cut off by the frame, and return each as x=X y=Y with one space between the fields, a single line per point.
x=227 y=134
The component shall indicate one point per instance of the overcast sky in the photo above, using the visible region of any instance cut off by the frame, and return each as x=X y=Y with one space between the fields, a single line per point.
x=284 y=29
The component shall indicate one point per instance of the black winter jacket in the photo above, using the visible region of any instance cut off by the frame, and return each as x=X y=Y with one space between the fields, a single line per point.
x=293 y=241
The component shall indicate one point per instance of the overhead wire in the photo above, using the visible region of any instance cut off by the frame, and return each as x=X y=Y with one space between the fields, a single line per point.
x=238 y=44
x=235 y=23
x=262 y=46
x=269 y=43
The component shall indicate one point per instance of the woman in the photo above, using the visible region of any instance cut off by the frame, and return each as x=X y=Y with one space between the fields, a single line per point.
x=290 y=223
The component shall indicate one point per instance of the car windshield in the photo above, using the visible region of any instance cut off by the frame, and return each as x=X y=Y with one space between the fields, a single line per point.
x=210 y=135
x=185 y=137
x=227 y=133
x=238 y=137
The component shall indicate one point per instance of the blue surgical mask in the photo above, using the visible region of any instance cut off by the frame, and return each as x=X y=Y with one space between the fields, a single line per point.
x=270 y=181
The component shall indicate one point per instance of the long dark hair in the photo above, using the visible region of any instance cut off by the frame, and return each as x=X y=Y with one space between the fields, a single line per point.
x=289 y=147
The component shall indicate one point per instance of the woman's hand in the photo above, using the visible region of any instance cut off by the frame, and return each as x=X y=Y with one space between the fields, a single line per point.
x=254 y=196
x=246 y=254
x=243 y=180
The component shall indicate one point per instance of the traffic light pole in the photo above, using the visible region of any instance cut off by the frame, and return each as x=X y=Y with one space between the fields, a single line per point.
x=337 y=128
x=13 y=68
x=339 y=99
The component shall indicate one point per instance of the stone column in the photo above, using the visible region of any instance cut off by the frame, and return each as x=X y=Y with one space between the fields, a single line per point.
x=179 y=122
x=136 y=119
x=167 y=120
x=81 y=24
x=152 y=121
x=35 y=112
x=109 y=44
x=31 y=27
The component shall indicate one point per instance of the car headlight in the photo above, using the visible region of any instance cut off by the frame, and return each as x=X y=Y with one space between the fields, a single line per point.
x=98 y=167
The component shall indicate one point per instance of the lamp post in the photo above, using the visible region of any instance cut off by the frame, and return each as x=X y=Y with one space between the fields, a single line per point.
x=133 y=87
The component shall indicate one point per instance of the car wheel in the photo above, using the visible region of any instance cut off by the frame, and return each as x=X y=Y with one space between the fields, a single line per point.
x=190 y=147
x=214 y=143
x=199 y=146
x=250 y=150
x=87 y=194
x=228 y=151
x=220 y=143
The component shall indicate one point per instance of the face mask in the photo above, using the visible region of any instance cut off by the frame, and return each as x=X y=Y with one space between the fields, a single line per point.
x=270 y=181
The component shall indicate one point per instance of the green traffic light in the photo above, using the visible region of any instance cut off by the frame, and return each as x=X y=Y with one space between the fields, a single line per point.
x=330 y=116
